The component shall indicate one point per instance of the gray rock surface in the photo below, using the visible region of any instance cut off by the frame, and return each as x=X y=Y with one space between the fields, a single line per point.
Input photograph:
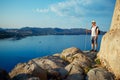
x=51 y=64
x=67 y=54
x=81 y=60
x=75 y=72
x=99 y=74
x=24 y=71
x=46 y=67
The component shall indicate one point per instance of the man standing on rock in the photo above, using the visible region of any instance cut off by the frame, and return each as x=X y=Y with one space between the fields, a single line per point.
x=94 y=36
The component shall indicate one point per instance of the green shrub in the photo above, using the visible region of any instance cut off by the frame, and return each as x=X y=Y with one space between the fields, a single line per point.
x=87 y=69
x=97 y=61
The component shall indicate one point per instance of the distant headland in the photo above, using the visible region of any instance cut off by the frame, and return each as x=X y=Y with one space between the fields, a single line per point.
x=30 y=31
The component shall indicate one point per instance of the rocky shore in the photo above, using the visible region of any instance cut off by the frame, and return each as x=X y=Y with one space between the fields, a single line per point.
x=70 y=64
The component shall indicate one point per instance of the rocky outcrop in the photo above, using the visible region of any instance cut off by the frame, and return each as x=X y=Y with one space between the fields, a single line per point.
x=109 y=53
x=116 y=17
x=67 y=54
x=43 y=68
x=99 y=74
x=76 y=56
x=79 y=62
x=51 y=64
x=71 y=64
x=26 y=71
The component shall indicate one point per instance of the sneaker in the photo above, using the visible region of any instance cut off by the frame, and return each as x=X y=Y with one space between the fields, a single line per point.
x=95 y=50
x=91 y=50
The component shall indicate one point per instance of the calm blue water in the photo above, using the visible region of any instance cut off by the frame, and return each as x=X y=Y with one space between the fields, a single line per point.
x=15 y=51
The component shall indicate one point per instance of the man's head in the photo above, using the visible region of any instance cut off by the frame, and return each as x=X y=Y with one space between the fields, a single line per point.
x=93 y=22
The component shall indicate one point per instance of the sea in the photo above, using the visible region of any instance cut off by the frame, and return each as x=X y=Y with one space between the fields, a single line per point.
x=14 y=51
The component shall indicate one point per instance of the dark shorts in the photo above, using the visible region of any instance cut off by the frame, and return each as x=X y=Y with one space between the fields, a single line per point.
x=94 y=40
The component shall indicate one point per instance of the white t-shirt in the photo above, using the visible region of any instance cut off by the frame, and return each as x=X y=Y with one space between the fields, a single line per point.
x=93 y=31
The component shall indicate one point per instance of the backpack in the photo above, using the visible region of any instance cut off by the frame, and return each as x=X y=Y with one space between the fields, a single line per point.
x=98 y=30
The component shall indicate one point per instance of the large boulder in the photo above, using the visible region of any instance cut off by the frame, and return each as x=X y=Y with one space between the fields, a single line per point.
x=4 y=75
x=51 y=64
x=75 y=72
x=109 y=53
x=43 y=68
x=99 y=74
x=67 y=54
x=81 y=60
x=76 y=56
x=78 y=64
x=25 y=71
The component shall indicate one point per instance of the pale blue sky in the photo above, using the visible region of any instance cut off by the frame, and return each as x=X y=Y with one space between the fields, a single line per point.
x=56 y=13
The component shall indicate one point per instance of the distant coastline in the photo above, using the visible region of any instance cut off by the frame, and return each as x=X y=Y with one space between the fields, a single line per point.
x=29 y=31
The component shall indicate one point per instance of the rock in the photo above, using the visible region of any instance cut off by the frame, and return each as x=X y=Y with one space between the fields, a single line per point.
x=4 y=75
x=57 y=54
x=67 y=54
x=75 y=72
x=78 y=63
x=81 y=60
x=45 y=68
x=116 y=17
x=99 y=74
x=52 y=64
x=63 y=73
x=90 y=55
x=109 y=53
x=76 y=56
x=25 y=71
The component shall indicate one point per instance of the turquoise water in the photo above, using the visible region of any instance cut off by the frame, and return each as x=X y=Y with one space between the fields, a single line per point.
x=16 y=51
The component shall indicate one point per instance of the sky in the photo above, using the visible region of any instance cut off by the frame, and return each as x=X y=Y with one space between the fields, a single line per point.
x=56 y=13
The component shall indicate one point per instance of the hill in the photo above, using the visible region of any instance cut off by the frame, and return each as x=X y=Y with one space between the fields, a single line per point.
x=29 y=31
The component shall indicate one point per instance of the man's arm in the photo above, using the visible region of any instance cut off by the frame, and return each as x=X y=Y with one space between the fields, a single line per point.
x=88 y=30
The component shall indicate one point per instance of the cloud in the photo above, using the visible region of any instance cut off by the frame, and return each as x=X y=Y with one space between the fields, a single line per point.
x=81 y=8
x=42 y=10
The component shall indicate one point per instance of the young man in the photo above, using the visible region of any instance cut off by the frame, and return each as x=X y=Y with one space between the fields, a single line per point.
x=94 y=36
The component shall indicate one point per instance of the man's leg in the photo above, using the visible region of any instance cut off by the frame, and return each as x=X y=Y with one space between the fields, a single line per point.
x=92 y=44
x=96 y=45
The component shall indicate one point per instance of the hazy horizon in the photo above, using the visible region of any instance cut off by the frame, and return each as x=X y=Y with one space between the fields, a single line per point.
x=63 y=14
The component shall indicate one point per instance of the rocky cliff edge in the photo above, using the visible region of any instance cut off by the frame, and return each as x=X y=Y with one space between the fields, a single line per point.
x=70 y=64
